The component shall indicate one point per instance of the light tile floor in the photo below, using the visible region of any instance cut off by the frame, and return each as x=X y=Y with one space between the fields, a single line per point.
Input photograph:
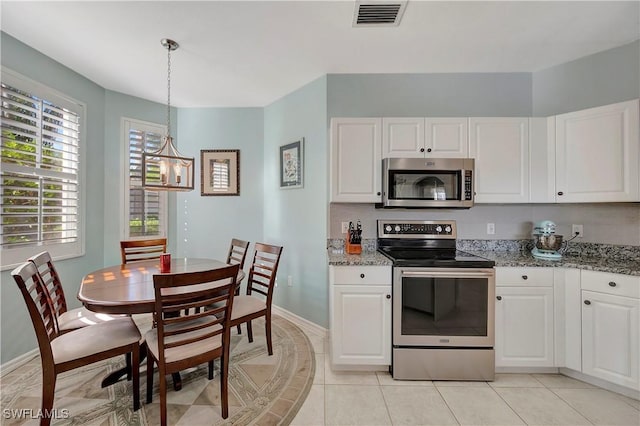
x=374 y=398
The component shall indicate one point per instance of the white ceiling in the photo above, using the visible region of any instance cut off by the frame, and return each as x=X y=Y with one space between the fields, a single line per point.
x=251 y=53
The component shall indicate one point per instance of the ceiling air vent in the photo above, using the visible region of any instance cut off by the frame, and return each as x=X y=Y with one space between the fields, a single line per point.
x=378 y=13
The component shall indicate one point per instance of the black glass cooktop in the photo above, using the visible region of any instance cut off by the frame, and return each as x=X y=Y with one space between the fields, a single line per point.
x=432 y=258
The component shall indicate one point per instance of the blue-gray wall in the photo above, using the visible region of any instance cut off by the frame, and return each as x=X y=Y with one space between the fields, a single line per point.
x=429 y=95
x=205 y=225
x=297 y=218
x=16 y=332
x=599 y=79
x=117 y=106
x=603 y=78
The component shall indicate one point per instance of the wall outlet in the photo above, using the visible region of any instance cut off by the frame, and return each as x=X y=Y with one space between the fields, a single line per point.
x=345 y=227
x=491 y=228
x=577 y=230
x=289 y=281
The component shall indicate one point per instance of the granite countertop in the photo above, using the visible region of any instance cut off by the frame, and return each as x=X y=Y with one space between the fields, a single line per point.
x=599 y=263
x=367 y=258
x=611 y=264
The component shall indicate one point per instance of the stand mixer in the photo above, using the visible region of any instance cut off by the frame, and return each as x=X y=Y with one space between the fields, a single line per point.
x=546 y=242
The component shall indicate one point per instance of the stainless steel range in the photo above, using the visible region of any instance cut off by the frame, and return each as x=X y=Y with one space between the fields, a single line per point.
x=443 y=303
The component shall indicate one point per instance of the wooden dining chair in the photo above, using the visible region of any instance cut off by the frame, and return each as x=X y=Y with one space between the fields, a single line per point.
x=237 y=255
x=60 y=352
x=138 y=250
x=262 y=280
x=67 y=319
x=188 y=335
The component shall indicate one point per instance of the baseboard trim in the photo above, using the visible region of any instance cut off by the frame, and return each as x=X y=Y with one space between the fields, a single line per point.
x=298 y=320
x=631 y=393
x=527 y=370
x=18 y=361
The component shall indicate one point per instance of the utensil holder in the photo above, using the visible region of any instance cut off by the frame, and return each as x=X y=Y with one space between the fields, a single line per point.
x=353 y=247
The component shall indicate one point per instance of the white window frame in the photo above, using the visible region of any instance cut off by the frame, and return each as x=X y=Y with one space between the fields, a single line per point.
x=127 y=123
x=14 y=256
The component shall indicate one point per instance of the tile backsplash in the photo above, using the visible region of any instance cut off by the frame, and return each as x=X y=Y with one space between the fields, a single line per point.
x=606 y=223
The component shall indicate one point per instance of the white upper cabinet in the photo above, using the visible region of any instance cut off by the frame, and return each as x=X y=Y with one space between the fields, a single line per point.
x=425 y=137
x=356 y=160
x=542 y=160
x=447 y=137
x=500 y=147
x=597 y=156
x=402 y=137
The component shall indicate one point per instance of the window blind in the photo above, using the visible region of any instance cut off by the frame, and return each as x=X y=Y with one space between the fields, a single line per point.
x=221 y=175
x=39 y=176
x=146 y=208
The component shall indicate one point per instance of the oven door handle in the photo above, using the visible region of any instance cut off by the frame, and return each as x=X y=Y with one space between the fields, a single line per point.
x=451 y=274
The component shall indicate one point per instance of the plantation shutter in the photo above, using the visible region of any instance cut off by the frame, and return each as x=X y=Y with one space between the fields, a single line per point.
x=221 y=175
x=146 y=208
x=40 y=167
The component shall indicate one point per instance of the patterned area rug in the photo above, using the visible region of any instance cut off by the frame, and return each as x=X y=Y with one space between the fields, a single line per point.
x=263 y=390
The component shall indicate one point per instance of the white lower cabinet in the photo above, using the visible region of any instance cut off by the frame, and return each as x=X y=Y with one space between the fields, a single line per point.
x=524 y=317
x=360 y=315
x=611 y=328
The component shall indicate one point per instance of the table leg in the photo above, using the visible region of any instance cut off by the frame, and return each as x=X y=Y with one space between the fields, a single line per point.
x=116 y=375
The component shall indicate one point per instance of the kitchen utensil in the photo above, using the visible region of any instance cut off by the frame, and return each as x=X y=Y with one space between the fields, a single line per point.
x=546 y=242
x=354 y=239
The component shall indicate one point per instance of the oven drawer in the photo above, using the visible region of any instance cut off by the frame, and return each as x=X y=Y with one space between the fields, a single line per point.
x=617 y=284
x=529 y=277
x=364 y=275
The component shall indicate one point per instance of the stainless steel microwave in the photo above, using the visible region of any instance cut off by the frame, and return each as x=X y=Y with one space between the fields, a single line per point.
x=427 y=182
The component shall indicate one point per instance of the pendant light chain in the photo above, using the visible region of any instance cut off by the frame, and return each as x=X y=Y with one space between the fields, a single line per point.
x=166 y=169
x=169 y=90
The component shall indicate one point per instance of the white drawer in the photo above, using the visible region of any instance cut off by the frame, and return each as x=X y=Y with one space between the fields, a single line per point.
x=365 y=275
x=529 y=277
x=605 y=282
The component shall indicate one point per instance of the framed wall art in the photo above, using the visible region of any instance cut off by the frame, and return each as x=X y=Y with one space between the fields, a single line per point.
x=292 y=165
x=220 y=172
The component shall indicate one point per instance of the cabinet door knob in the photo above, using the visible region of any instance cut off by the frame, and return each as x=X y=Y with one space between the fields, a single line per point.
x=361 y=275
x=499 y=297
x=388 y=296
x=587 y=302
x=421 y=149
x=379 y=193
x=524 y=277
x=429 y=150
x=612 y=284
x=560 y=193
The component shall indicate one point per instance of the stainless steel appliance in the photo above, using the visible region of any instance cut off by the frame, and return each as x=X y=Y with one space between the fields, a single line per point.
x=443 y=303
x=427 y=182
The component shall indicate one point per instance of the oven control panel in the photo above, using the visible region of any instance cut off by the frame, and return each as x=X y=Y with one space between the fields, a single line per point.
x=417 y=229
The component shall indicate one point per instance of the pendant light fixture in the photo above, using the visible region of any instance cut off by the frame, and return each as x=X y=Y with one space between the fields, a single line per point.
x=166 y=169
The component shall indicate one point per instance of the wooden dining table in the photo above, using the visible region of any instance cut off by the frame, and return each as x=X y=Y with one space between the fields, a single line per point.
x=128 y=289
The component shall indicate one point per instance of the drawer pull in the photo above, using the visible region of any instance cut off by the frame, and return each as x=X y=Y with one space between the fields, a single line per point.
x=388 y=296
x=612 y=284
x=560 y=193
x=361 y=275
x=499 y=297
x=524 y=277
x=587 y=302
